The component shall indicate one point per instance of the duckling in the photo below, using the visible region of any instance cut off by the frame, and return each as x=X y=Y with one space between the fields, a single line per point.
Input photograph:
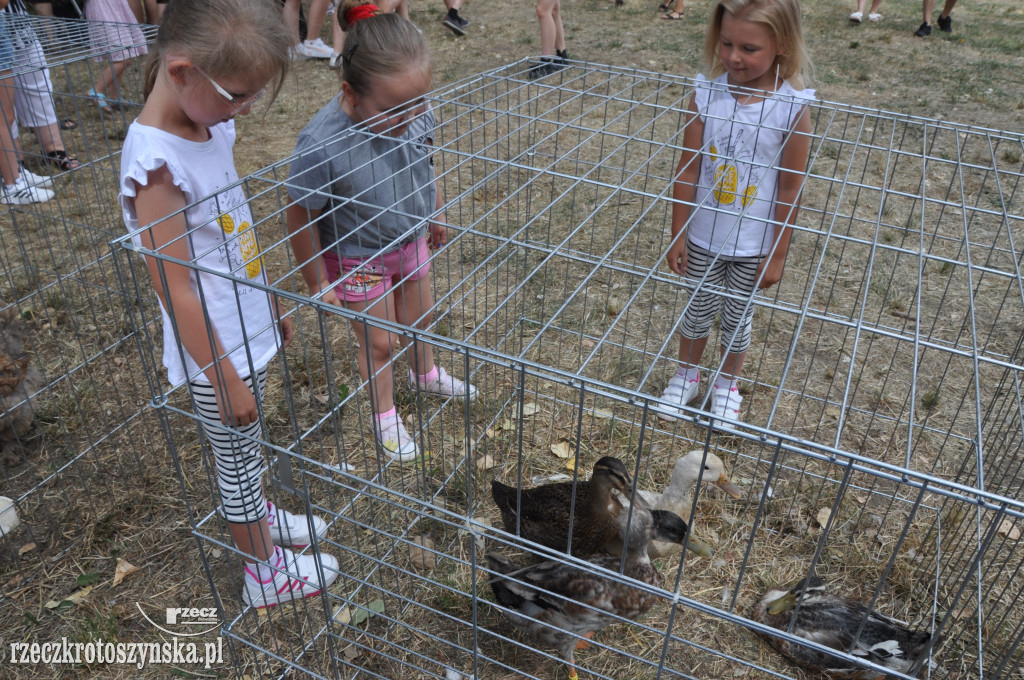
x=558 y=604
x=834 y=621
x=541 y=514
x=676 y=499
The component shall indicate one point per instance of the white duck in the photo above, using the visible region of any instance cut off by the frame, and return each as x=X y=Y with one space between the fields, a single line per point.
x=676 y=497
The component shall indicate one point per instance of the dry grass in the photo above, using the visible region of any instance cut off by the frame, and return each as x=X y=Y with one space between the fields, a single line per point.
x=122 y=500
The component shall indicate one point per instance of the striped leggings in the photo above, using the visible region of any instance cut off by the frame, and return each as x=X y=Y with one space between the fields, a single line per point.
x=736 y=276
x=239 y=459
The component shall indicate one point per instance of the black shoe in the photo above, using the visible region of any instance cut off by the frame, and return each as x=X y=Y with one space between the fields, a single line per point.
x=946 y=25
x=561 y=58
x=545 y=68
x=456 y=24
x=925 y=29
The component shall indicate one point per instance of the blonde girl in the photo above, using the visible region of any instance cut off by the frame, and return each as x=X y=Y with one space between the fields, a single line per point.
x=212 y=60
x=365 y=200
x=737 y=188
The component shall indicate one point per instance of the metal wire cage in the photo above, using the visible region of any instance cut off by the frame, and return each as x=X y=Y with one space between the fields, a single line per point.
x=74 y=417
x=881 y=421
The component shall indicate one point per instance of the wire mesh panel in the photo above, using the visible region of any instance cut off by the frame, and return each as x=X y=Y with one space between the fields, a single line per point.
x=74 y=415
x=881 y=420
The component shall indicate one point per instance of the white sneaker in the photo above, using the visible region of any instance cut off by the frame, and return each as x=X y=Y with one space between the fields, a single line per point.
x=395 y=441
x=725 y=403
x=23 y=193
x=679 y=391
x=295 y=577
x=444 y=385
x=314 y=49
x=335 y=61
x=44 y=181
x=287 y=528
x=875 y=17
x=856 y=17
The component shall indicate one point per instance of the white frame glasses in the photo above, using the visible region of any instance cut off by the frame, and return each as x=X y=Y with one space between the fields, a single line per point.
x=237 y=102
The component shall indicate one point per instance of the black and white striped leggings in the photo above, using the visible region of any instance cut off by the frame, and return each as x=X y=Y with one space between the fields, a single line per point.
x=239 y=459
x=736 y=277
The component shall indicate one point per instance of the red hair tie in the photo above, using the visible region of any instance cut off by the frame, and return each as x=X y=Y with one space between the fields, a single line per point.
x=361 y=12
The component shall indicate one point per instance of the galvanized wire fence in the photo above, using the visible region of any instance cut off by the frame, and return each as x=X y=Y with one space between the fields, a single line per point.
x=881 y=428
x=75 y=424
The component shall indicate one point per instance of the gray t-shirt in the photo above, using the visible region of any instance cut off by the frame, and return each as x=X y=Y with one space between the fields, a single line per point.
x=375 y=192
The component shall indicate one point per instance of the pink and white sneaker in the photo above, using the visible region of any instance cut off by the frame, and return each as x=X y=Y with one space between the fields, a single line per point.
x=295 y=577
x=293 y=530
x=725 y=406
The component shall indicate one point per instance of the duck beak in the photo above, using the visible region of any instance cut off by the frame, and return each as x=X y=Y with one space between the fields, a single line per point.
x=698 y=546
x=726 y=485
x=787 y=601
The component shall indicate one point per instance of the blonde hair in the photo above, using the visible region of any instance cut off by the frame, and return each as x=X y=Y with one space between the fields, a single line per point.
x=380 y=46
x=223 y=38
x=782 y=19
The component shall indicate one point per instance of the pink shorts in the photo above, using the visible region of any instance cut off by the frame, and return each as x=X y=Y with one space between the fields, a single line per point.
x=369 y=279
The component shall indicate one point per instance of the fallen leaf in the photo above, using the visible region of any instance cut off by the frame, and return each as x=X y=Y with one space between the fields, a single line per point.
x=123 y=570
x=832 y=412
x=529 y=409
x=823 y=516
x=860 y=498
x=570 y=464
x=1008 y=529
x=343 y=615
x=351 y=652
x=421 y=554
x=321 y=399
x=74 y=598
x=486 y=462
x=506 y=424
x=561 y=449
x=588 y=343
x=28 y=547
x=490 y=433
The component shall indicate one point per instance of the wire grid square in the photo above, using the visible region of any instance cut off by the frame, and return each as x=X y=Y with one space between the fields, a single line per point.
x=882 y=387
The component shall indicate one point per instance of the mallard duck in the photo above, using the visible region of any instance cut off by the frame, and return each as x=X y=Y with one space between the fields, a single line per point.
x=558 y=603
x=675 y=499
x=676 y=496
x=842 y=624
x=541 y=514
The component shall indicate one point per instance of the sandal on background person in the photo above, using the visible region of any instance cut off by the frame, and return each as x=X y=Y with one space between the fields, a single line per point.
x=60 y=159
x=674 y=16
x=101 y=102
x=68 y=124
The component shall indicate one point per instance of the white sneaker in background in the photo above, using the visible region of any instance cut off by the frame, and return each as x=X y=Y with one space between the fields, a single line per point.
x=314 y=49
x=444 y=385
x=23 y=193
x=725 y=403
x=393 y=438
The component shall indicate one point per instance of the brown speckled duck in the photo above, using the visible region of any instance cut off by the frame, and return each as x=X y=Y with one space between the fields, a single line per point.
x=541 y=514
x=557 y=603
x=834 y=621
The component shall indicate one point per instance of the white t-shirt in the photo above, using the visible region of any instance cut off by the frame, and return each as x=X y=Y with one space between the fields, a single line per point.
x=220 y=238
x=739 y=167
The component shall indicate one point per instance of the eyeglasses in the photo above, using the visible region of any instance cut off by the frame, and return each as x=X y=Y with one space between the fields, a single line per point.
x=237 y=101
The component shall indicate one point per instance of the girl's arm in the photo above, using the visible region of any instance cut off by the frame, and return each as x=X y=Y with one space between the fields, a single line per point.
x=787 y=203
x=685 y=186
x=153 y=202
x=305 y=240
x=438 y=230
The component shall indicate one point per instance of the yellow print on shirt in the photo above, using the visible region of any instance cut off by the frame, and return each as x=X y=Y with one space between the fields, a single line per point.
x=227 y=224
x=725 y=186
x=250 y=250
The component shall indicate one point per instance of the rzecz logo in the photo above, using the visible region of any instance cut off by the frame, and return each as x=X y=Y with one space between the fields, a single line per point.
x=183 y=620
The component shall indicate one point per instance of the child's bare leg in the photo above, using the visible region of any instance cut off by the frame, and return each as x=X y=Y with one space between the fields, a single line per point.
x=413 y=302
x=374 y=356
x=548 y=30
x=253 y=539
x=732 y=364
x=690 y=351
